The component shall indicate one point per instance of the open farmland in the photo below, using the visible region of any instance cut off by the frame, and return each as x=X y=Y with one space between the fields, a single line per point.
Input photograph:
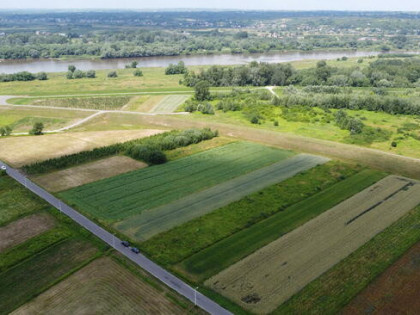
x=169 y=103
x=26 y=280
x=23 y=229
x=154 y=221
x=55 y=145
x=99 y=102
x=87 y=173
x=119 y=197
x=274 y=273
x=102 y=287
x=230 y=250
x=396 y=291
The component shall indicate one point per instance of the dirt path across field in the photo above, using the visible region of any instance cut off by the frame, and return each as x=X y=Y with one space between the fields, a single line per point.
x=270 y=276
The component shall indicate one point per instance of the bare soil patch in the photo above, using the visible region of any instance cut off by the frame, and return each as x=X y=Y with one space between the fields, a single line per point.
x=19 y=151
x=87 y=173
x=396 y=291
x=102 y=287
x=271 y=275
x=23 y=229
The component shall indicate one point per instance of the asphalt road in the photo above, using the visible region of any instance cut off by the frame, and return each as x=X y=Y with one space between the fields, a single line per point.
x=170 y=280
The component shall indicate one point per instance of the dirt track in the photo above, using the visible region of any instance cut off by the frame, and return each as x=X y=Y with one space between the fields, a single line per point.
x=274 y=273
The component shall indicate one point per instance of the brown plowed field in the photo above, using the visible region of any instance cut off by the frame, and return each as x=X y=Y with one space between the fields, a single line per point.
x=396 y=291
x=102 y=287
x=23 y=229
x=87 y=173
x=270 y=276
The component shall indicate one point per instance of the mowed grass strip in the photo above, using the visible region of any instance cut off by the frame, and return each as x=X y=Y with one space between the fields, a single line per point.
x=337 y=287
x=16 y=201
x=221 y=255
x=29 y=278
x=154 y=221
x=128 y=194
x=170 y=103
x=191 y=237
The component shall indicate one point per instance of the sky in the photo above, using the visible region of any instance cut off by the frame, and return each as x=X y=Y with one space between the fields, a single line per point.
x=366 y=5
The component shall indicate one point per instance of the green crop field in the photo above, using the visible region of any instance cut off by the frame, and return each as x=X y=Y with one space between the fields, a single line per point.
x=183 y=241
x=100 y=103
x=119 y=197
x=230 y=250
x=154 y=221
x=21 y=283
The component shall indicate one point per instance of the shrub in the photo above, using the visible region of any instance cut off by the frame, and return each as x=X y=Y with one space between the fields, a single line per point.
x=149 y=154
x=394 y=144
x=37 y=129
x=112 y=74
x=91 y=74
x=138 y=73
x=78 y=74
x=42 y=76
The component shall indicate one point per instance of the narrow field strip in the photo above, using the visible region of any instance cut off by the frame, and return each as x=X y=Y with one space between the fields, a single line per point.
x=119 y=197
x=27 y=279
x=102 y=287
x=154 y=221
x=23 y=229
x=169 y=103
x=230 y=250
x=270 y=276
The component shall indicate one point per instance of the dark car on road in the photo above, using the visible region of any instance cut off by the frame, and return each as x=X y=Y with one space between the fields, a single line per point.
x=125 y=243
x=135 y=250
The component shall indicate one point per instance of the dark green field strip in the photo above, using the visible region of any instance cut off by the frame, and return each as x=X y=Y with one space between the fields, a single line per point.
x=177 y=244
x=16 y=201
x=337 y=287
x=155 y=221
x=128 y=194
x=31 y=247
x=232 y=249
x=21 y=283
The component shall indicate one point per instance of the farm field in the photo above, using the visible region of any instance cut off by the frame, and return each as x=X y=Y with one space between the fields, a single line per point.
x=87 y=173
x=103 y=287
x=169 y=103
x=183 y=241
x=24 y=281
x=23 y=229
x=394 y=292
x=254 y=282
x=55 y=145
x=118 y=197
x=230 y=250
x=154 y=221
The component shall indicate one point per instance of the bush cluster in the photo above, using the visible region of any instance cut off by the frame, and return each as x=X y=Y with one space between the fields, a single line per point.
x=179 y=68
x=23 y=76
x=74 y=73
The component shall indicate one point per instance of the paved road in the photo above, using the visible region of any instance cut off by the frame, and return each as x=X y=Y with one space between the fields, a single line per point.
x=170 y=280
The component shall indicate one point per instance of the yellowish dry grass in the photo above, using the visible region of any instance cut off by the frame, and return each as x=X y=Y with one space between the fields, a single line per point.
x=87 y=173
x=19 y=151
x=102 y=287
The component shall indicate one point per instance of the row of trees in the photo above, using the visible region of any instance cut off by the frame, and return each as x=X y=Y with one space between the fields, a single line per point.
x=23 y=76
x=146 y=149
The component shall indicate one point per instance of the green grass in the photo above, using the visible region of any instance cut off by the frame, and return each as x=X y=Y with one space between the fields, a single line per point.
x=31 y=247
x=100 y=103
x=119 y=197
x=170 y=103
x=16 y=201
x=337 y=287
x=23 y=282
x=219 y=256
x=183 y=241
x=150 y=223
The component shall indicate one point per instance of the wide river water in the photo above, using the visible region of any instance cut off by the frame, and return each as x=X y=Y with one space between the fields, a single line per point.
x=53 y=65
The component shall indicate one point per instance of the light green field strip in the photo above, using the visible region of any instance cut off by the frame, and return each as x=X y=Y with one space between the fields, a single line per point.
x=169 y=103
x=154 y=221
x=119 y=197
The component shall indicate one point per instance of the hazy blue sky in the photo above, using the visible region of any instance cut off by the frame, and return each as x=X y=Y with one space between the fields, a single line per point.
x=401 y=5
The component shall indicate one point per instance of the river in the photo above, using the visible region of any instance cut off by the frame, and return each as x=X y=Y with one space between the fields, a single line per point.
x=54 y=65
